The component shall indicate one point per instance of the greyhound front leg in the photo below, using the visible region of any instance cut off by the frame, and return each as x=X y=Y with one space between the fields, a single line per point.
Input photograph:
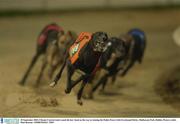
x=73 y=84
x=51 y=71
x=127 y=68
x=102 y=81
x=70 y=72
x=58 y=76
x=79 y=95
x=113 y=78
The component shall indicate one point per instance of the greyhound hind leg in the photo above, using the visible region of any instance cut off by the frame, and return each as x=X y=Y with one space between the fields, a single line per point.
x=102 y=82
x=33 y=61
x=131 y=64
x=41 y=73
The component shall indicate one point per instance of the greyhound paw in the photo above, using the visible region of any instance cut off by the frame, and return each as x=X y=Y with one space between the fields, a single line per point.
x=21 y=83
x=67 y=91
x=123 y=74
x=36 y=85
x=88 y=96
x=101 y=92
x=80 y=102
x=52 y=84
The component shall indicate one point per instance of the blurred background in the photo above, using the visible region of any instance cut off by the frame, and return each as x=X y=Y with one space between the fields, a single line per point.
x=49 y=5
x=151 y=89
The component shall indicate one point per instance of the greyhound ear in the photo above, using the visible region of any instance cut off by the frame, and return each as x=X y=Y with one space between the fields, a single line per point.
x=70 y=33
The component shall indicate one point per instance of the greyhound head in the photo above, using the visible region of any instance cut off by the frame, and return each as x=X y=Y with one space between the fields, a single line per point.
x=99 y=41
x=118 y=47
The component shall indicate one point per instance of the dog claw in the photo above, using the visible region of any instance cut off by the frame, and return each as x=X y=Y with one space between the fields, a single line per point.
x=52 y=84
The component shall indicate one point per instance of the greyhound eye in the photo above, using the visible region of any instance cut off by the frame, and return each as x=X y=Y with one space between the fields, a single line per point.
x=104 y=38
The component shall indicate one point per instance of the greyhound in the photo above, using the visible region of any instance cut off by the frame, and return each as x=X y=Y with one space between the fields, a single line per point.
x=111 y=62
x=49 y=35
x=84 y=55
x=55 y=53
x=134 y=44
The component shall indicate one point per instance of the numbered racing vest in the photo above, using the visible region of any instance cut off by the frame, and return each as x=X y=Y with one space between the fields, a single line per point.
x=80 y=42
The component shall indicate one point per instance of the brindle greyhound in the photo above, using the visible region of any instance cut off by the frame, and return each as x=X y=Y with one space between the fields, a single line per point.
x=85 y=59
x=134 y=45
x=111 y=61
x=56 y=53
x=49 y=35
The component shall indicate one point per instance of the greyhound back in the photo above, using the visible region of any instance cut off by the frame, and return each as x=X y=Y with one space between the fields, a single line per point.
x=44 y=33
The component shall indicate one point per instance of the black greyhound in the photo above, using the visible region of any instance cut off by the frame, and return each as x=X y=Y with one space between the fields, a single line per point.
x=49 y=35
x=111 y=61
x=134 y=45
x=84 y=55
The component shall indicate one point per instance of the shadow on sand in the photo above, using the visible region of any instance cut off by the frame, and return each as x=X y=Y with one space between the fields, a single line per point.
x=167 y=87
x=113 y=91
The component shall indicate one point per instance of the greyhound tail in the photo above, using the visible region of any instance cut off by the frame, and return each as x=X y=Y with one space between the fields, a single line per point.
x=58 y=76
